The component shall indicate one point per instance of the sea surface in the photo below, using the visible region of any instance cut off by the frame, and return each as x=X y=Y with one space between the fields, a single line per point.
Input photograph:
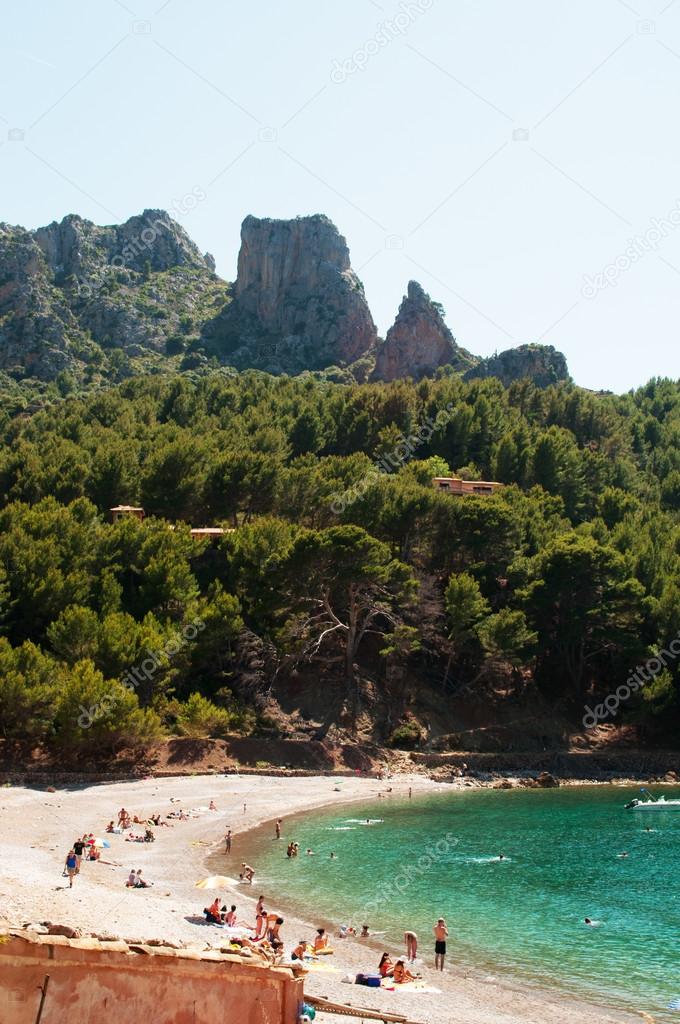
x=520 y=917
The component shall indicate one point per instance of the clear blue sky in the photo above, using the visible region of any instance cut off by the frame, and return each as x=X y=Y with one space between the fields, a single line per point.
x=498 y=151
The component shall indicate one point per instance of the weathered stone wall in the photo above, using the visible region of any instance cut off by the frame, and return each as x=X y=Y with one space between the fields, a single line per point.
x=108 y=983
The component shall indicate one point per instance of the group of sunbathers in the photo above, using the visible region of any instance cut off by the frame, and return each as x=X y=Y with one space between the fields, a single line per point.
x=134 y=837
x=265 y=941
x=398 y=971
x=135 y=880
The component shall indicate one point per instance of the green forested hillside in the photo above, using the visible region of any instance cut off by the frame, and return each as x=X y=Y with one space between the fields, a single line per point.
x=346 y=571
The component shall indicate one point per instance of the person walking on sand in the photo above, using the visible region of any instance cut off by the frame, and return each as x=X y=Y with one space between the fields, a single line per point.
x=71 y=866
x=78 y=848
x=440 y=934
x=278 y=828
x=227 y=841
x=411 y=940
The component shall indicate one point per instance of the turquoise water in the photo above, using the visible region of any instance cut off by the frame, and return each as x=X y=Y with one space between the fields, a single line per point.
x=437 y=856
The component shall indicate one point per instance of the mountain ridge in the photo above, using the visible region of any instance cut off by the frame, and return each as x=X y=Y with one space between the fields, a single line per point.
x=107 y=301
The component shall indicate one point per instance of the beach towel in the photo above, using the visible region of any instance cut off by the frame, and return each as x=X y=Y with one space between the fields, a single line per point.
x=410 y=986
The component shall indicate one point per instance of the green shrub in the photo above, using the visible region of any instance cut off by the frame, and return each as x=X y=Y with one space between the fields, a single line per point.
x=406 y=736
x=199 y=717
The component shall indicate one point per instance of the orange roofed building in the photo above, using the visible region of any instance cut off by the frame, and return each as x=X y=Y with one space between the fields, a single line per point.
x=126 y=512
x=212 y=533
x=454 y=485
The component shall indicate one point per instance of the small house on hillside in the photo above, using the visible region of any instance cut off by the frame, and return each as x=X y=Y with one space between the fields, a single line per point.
x=211 y=533
x=454 y=485
x=126 y=512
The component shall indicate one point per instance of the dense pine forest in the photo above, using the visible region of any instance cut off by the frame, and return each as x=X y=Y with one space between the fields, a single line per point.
x=347 y=595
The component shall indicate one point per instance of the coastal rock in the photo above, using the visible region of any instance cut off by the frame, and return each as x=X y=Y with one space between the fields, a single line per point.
x=298 y=305
x=545 y=781
x=418 y=341
x=542 y=364
x=62 y=929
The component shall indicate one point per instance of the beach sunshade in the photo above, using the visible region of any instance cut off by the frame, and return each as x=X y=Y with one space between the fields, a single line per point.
x=213 y=882
x=101 y=844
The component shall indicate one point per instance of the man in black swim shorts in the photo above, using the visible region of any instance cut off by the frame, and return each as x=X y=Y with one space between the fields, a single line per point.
x=440 y=935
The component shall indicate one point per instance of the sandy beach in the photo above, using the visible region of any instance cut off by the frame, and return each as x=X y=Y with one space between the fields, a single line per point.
x=38 y=827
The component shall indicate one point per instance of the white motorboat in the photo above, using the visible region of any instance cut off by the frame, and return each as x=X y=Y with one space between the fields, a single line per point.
x=654 y=804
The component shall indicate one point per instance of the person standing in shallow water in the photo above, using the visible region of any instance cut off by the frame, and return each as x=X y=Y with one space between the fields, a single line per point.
x=440 y=935
x=227 y=841
x=411 y=940
x=278 y=828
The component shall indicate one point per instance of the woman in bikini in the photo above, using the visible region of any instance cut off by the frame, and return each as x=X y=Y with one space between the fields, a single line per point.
x=385 y=967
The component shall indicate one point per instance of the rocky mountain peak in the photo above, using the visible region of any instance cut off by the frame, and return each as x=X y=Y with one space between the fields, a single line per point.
x=543 y=364
x=297 y=302
x=419 y=340
x=150 y=239
x=91 y=300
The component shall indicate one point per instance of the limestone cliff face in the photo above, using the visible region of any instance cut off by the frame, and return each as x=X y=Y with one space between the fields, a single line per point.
x=543 y=364
x=298 y=305
x=148 y=241
x=73 y=288
x=418 y=341
x=38 y=331
x=104 y=302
